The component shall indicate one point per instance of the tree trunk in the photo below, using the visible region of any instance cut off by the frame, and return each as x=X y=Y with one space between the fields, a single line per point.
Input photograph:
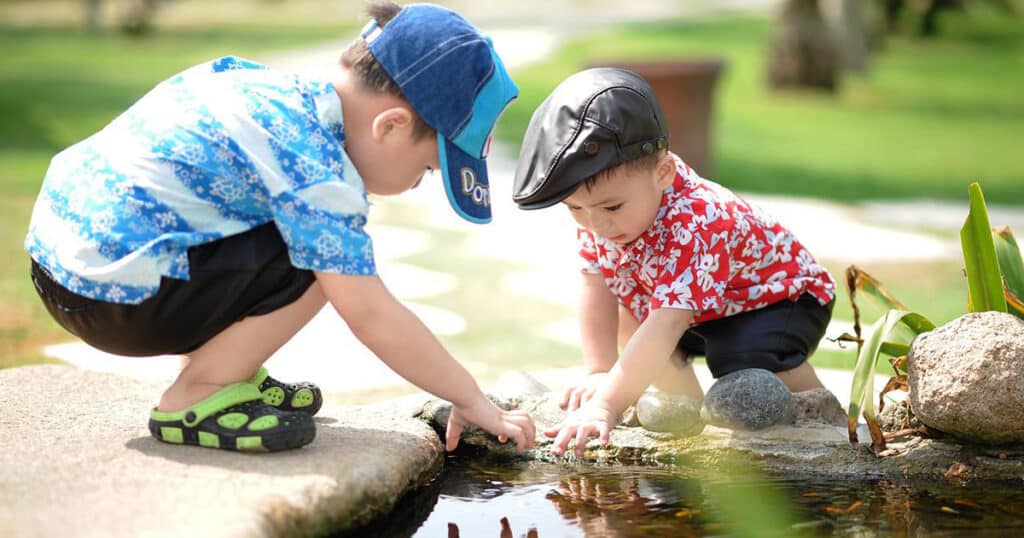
x=138 y=17
x=93 y=15
x=893 y=9
x=847 y=20
x=929 y=20
x=803 y=54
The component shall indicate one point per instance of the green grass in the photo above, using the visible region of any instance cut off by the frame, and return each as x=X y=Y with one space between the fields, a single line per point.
x=930 y=116
x=64 y=84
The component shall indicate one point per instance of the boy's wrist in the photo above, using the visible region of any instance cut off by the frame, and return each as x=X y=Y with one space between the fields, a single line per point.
x=470 y=401
x=607 y=406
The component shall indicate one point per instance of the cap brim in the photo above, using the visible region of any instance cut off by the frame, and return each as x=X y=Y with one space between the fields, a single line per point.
x=465 y=181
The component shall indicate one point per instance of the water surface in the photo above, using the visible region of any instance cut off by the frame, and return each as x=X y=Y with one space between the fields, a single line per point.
x=481 y=498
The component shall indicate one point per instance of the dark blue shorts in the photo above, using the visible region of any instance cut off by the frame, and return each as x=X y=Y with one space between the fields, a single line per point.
x=243 y=275
x=778 y=337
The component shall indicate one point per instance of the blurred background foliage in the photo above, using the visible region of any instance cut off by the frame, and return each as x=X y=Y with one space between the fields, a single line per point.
x=933 y=100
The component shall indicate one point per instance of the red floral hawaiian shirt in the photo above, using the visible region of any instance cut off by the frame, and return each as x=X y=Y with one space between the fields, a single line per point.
x=708 y=251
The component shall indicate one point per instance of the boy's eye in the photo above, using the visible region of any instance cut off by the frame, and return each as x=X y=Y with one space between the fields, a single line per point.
x=615 y=207
x=573 y=207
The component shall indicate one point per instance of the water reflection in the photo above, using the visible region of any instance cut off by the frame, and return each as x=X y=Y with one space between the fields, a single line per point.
x=472 y=498
x=613 y=502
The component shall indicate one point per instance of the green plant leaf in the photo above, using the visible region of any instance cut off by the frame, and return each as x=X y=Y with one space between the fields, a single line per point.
x=883 y=335
x=984 y=281
x=859 y=281
x=894 y=349
x=1011 y=264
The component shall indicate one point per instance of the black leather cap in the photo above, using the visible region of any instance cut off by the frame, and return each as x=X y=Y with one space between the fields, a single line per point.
x=594 y=120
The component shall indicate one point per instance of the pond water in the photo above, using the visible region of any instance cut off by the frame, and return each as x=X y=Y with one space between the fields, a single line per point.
x=480 y=498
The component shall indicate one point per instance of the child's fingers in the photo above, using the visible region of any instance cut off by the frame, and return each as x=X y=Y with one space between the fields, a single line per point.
x=561 y=442
x=502 y=438
x=582 y=434
x=566 y=395
x=605 y=432
x=576 y=395
x=530 y=429
x=523 y=421
x=452 y=433
x=551 y=432
x=520 y=438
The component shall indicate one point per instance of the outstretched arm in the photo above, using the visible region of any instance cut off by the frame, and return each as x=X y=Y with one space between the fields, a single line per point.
x=645 y=356
x=598 y=324
x=598 y=327
x=405 y=344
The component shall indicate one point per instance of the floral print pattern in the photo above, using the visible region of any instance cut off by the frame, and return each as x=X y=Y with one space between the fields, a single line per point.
x=216 y=150
x=708 y=251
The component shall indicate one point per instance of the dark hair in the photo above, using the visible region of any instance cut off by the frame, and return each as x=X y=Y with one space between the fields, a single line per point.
x=371 y=74
x=643 y=162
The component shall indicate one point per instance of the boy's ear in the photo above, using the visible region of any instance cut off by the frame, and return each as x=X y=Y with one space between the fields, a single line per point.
x=394 y=120
x=665 y=170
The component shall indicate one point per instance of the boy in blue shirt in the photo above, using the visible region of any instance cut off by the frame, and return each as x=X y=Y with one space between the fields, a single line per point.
x=220 y=212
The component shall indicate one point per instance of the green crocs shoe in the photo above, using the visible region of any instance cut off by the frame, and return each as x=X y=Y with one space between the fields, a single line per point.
x=301 y=397
x=234 y=418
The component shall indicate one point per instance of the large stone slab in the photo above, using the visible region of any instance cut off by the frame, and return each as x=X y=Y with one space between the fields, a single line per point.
x=76 y=459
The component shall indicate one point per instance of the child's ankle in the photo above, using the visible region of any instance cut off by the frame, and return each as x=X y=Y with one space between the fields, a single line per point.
x=180 y=396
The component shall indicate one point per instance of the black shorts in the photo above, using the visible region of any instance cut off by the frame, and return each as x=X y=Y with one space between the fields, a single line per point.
x=243 y=275
x=777 y=337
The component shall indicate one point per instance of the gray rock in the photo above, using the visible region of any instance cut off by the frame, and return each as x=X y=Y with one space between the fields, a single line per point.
x=669 y=413
x=819 y=405
x=629 y=417
x=896 y=416
x=518 y=385
x=436 y=413
x=966 y=378
x=78 y=460
x=748 y=399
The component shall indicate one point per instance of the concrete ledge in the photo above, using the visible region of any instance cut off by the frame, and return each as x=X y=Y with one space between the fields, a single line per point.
x=76 y=459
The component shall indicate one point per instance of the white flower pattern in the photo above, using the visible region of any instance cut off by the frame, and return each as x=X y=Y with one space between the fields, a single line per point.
x=708 y=251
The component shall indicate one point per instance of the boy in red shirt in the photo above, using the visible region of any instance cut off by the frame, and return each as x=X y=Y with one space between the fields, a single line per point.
x=674 y=265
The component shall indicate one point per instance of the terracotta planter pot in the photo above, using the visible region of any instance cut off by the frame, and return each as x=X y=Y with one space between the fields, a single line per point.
x=686 y=91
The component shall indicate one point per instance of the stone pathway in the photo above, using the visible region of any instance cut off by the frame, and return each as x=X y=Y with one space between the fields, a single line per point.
x=84 y=464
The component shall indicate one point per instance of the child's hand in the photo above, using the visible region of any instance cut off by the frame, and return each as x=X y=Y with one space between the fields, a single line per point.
x=515 y=424
x=575 y=395
x=592 y=419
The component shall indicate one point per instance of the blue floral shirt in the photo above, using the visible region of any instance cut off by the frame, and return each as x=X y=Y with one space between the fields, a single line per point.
x=214 y=151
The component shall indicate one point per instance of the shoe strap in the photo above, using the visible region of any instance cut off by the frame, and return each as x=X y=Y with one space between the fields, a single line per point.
x=224 y=398
x=261 y=375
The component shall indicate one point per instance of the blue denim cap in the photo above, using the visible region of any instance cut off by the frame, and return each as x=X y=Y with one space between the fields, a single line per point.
x=455 y=81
